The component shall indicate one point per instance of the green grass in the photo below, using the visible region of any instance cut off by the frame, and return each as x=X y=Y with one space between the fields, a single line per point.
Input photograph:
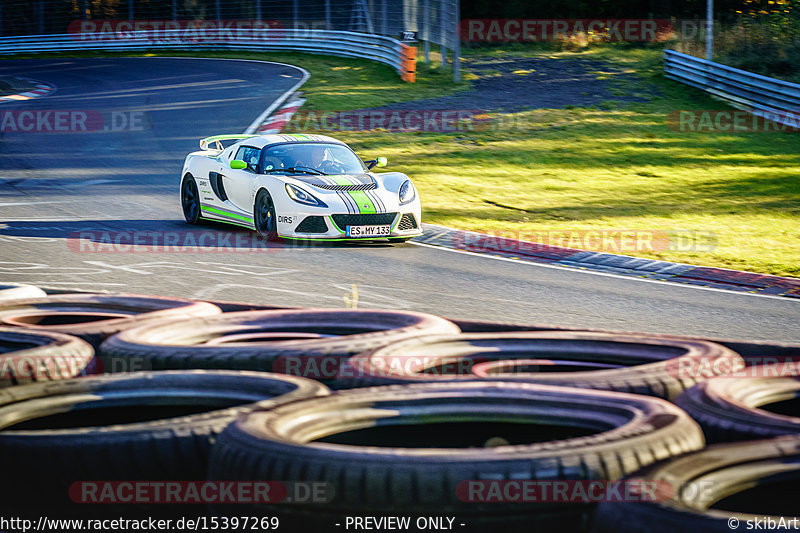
x=612 y=167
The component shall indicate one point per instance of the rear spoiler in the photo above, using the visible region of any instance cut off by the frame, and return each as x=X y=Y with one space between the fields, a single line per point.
x=217 y=139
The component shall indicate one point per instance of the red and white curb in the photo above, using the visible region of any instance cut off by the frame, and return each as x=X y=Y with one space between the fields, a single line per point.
x=276 y=122
x=624 y=265
x=41 y=89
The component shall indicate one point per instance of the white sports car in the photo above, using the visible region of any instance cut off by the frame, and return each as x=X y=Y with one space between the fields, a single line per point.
x=297 y=187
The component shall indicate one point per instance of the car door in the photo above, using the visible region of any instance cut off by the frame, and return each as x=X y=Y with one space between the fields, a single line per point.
x=238 y=183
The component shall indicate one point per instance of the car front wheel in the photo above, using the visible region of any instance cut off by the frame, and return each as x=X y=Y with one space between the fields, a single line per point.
x=266 y=221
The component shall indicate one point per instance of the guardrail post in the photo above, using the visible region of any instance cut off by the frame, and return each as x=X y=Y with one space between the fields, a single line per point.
x=328 y=15
x=426 y=29
x=40 y=16
x=443 y=31
x=408 y=62
x=456 y=42
x=710 y=30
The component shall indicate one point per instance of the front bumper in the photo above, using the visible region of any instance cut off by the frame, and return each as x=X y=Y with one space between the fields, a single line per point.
x=334 y=226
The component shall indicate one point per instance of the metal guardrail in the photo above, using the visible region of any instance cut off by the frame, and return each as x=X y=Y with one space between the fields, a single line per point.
x=339 y=43
x=772 y=99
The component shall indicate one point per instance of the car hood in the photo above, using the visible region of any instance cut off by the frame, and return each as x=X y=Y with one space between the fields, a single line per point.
x=325 y=182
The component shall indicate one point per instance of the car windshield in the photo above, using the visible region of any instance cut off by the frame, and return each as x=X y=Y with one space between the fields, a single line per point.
x=312 y=158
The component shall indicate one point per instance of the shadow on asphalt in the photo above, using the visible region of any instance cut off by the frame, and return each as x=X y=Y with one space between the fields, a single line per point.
x=153 y=235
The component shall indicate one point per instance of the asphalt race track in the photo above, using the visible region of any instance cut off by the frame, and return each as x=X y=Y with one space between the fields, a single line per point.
x=120 y=176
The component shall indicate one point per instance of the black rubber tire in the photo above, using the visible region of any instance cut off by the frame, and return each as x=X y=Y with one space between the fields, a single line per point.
x=377 y=478
x=753 y=352
x=50 y=459
x=480 y=326
x=264 y=217
x=655 y=365
x=190 y=200
x=727 y=408
x=693 y=483
x=180 y=344
x=30 y=356
x=18 y=291
x=86 y=312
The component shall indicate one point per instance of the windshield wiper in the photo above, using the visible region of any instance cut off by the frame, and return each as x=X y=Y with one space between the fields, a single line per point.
x=308 y=170
x=297 y=170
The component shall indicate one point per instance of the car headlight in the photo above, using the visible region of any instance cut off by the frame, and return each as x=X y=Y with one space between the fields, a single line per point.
x=302 y=197
x=407 y=192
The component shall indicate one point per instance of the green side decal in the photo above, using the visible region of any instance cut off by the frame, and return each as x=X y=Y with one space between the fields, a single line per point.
x=340 y=230
x=228 y=214
x=365 y=205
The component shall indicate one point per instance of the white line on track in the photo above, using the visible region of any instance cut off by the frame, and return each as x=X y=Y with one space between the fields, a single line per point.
x=210 y=291
x=11 y=204
x=85 y=283
x=606 y=274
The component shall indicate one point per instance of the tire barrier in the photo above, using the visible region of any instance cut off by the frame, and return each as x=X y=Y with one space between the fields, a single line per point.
x=27 y=356
x=745 y=408
x=308 y=342
x=16 y=291
x=93 y=317
x=726 y=487
x=754 y=352
x=135 y=426
x=655 y=365
x=422 y=449
x=461 y=419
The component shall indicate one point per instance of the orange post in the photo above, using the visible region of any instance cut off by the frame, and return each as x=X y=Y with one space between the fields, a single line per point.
x=408 y=62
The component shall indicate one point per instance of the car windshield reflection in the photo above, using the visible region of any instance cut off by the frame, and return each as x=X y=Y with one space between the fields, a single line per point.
x=312 y=158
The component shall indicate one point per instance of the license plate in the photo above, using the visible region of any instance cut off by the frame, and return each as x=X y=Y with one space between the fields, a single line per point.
x=368 y=231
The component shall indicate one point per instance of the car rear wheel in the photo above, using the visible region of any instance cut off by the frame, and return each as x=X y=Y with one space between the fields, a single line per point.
x=264 y=217
x=190 y=200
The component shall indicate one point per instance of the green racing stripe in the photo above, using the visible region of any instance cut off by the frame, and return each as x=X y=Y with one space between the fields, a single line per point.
x=365 y=205
x=223 y=213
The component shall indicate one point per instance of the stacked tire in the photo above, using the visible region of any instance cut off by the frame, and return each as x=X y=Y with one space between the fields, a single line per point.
x=470 y=425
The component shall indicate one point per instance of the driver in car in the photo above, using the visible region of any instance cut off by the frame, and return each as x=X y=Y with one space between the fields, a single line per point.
x=320 y=161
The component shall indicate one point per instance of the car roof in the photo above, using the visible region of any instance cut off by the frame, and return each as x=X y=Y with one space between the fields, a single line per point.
x=259 y=141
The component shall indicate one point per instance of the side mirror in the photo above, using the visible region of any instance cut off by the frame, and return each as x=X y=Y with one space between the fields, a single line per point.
x=380 y=162
x=238 y=164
